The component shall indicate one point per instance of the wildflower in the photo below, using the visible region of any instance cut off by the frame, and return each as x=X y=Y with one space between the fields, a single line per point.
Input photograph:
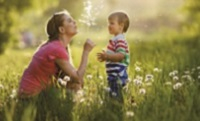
x=114 y=94
x=187 y=72
x=82 y=100
x=198 y=68
x=171 y=74
x=177 y=85
x=148 y=84
x=107 y=89
x=138 y=69
x=139 y=78
x=149 y=77
x=13 y=94
x=62 y=82
x=1 y=86
x=137 y=82
x=89 y=76
x=101 y=77
x=157 y=70
x=199 y=77
x=142 y=91
x=66 y=78
x=130 y=113
x=134 y=104
x=168 y=83
x=175 y=78
x=188 y=77
x=175 y=72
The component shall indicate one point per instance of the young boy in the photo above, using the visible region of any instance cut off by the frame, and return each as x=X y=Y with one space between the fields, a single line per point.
x=117 y=54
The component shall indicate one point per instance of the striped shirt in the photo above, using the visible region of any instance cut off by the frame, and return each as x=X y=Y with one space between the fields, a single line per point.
x=117 y=44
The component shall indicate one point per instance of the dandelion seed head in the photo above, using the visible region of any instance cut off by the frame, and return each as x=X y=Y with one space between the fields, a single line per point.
x=175 y=78
x=137 y=82
x=177 y=85
x=142 y=91
x=199 y=77
x=130 y=113
x=1 y=86
x=89 y=76
x=198 y=68
x=107 y=89
x=114 y=94
x=66 y=78
x=168 y=83
x=137 y=69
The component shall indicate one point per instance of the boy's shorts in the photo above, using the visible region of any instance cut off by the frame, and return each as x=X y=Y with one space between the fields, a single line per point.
x=116 y=83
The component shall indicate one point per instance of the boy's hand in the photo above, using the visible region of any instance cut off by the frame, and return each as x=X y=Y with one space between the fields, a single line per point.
x=102 y=56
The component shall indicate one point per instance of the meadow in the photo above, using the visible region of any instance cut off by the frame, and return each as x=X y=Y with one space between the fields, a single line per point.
x=164 y=84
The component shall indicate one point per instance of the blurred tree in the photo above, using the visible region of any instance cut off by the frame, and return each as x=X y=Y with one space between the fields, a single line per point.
x=192 y=8
x=74 y=7
x=10 y=12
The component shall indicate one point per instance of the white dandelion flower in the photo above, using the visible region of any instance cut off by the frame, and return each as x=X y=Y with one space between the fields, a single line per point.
x=175 y=72
x=198 y=68
x=82 y=100
x=13 y=94
x=107 y=89
x=187 y=72
x=142 y=91
x=114 y=94
x=149 y=77
x=199 y=77
x=171 y=74
x=137 y=82
x=89 y=76
x=1 y=86
x=168 y=83
x=134 y=104
x=66 y=78
x=175 y=78
x=130 y=113
x=138 y=69
x=139 y=78
x=101 y=77
x=148 y=84
x=177 y=85
x=157 y=70
x=62 y=82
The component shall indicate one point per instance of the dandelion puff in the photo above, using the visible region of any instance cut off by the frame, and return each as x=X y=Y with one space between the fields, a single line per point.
x=137 y=82
x=114 y=94
x=134 y=104
x=1 y=86
x=198 y=68
x=168 y=83
x=107 y=89
x=130 y=113
x=13 y=94
x=175 y=72
x=175 y=78
x=66 y=78
x=171 y=74
x=199 y=77
x=149 y=77
x=177 y=85
x=187 y=72
x=148 y=84
x=82 y=100
x=62 y=82
x=101 y=77
x=157 y=70
x=139 y=78
x=138 y=69
x=89 y=76
x=142 y=91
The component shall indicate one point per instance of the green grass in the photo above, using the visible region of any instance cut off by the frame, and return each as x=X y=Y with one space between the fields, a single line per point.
x=160 y=101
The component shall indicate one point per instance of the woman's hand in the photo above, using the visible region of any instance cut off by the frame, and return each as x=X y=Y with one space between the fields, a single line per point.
x=89 y=45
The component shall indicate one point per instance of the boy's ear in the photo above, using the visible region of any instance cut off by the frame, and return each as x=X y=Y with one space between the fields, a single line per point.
x=122 y=25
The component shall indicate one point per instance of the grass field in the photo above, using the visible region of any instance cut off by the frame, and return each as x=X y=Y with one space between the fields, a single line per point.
x=164 y=85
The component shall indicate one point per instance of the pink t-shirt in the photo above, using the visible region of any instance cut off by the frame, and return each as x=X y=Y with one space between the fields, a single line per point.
x=42 y=67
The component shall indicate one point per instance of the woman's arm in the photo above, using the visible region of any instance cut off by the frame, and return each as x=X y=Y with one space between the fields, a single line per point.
x=74 y=74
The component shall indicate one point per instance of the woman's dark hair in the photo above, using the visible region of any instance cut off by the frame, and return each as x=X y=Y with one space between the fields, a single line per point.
x=53 y=25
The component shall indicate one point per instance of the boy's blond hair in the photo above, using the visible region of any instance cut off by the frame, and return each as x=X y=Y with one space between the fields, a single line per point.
x=122 y=19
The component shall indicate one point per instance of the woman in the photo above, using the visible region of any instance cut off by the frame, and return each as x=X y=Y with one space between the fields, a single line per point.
x=52 y=56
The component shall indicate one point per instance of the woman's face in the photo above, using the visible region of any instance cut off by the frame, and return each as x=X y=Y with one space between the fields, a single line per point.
x=69 y=25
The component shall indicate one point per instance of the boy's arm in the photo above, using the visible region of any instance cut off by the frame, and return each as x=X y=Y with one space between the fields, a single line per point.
x=115 y=57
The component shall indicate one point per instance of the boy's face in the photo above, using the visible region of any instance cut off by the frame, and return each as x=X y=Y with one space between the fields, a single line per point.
x=114 y=27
